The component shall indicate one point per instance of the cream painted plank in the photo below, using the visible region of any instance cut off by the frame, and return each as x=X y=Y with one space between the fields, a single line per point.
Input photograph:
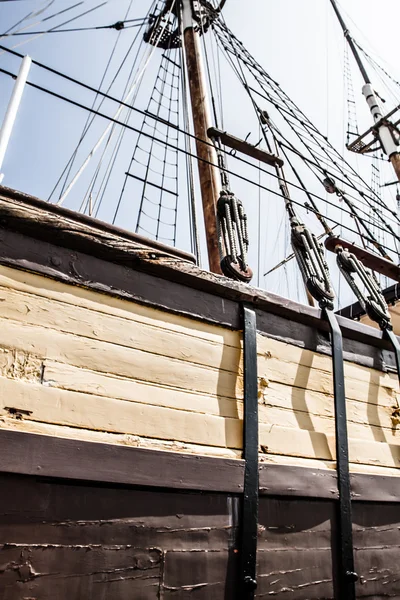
x=126 y=362
x=17 y=364
x=50 y=405
x=308 y=444
x=72 y=378
x=366 y=390
x=379 y=413
x=43 y=287
x=274 y=349
x=267 y=347
x=50 y=314
x=120 y=439
x=84 y=411
x=308 y=422
x=306 y=405
x=110 y=358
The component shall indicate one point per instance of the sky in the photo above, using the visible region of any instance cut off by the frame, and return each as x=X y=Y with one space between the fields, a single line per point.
x=298 y=42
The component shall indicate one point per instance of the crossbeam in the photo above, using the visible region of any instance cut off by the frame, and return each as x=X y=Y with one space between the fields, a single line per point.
x=369 y=259
x=359 y=143
x=244 y=147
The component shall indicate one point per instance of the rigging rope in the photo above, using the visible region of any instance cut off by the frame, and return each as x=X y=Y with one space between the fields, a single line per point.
x=298 y=126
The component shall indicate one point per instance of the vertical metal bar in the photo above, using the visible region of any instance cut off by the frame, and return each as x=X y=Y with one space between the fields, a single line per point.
x=347 y=575
x=250 y=455
x=11 y=114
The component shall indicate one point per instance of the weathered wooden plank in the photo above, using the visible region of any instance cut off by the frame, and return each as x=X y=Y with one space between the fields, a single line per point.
x=91 y=515
x=292 y=418
x=305 y=574
x=292 y=374
x=183 y=290
x=378 y=567
x=31 y=454
x=138 y=364
x=152 y=336
x=80 y=572
x=67 y=377
x=117 y=360
x=50 y=289
x=91 y=412
x=380 y=413
x=33 y=311
x=290 y=353
x=295 y=574
x=371 y=421
x=47 y=456
x=208 y=575
x=19 y=423
x=51 y=405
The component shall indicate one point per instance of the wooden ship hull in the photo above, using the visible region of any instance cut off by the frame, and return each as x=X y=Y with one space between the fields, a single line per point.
x=121 y=427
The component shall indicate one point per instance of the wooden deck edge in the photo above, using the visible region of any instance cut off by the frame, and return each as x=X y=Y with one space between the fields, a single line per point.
x=34 y=239
x=66 y=229
x=47 y=456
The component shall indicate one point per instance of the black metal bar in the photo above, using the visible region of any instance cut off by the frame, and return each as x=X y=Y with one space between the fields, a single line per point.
x=347 y=575
x=392 y=337
x=249 y=523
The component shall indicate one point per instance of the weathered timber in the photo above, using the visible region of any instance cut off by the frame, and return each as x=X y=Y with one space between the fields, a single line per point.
x=242 y=146
x=51 y=457
x=369 y=259
x=83 y=360
x=59 y=248
x=207 y=163
x=84 y=540
x=395 y=160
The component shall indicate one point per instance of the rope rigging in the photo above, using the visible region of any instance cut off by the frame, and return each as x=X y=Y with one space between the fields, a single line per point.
x=314 y=173
x=299 y=124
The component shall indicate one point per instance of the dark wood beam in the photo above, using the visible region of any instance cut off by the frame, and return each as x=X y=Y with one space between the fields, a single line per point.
x=369 y=259
x=245 y=148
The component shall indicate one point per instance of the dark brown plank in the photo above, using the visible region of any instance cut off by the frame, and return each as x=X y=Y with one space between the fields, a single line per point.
x=47 y=456
x=200 y=575
x=19 y=212
x=88 y=541
x=379 y=572
x=45 y=573
x=68 y=513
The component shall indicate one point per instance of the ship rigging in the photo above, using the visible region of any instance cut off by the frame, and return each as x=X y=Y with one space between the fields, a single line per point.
x=181 y=125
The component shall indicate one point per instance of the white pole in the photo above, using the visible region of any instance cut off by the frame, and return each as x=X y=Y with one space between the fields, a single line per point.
x=385 y=135
x=15 y=100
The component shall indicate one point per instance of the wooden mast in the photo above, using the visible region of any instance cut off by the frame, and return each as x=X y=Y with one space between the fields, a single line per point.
x=208 y=174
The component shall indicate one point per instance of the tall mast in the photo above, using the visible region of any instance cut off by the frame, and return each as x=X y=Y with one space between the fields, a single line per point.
x=208 y=174
x=384 y=127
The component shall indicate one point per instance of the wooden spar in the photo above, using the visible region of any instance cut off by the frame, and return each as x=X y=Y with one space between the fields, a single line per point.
x=208 y=174
x=369 y=259
x=242 y=146
x=383 y=125
x=395 y=160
